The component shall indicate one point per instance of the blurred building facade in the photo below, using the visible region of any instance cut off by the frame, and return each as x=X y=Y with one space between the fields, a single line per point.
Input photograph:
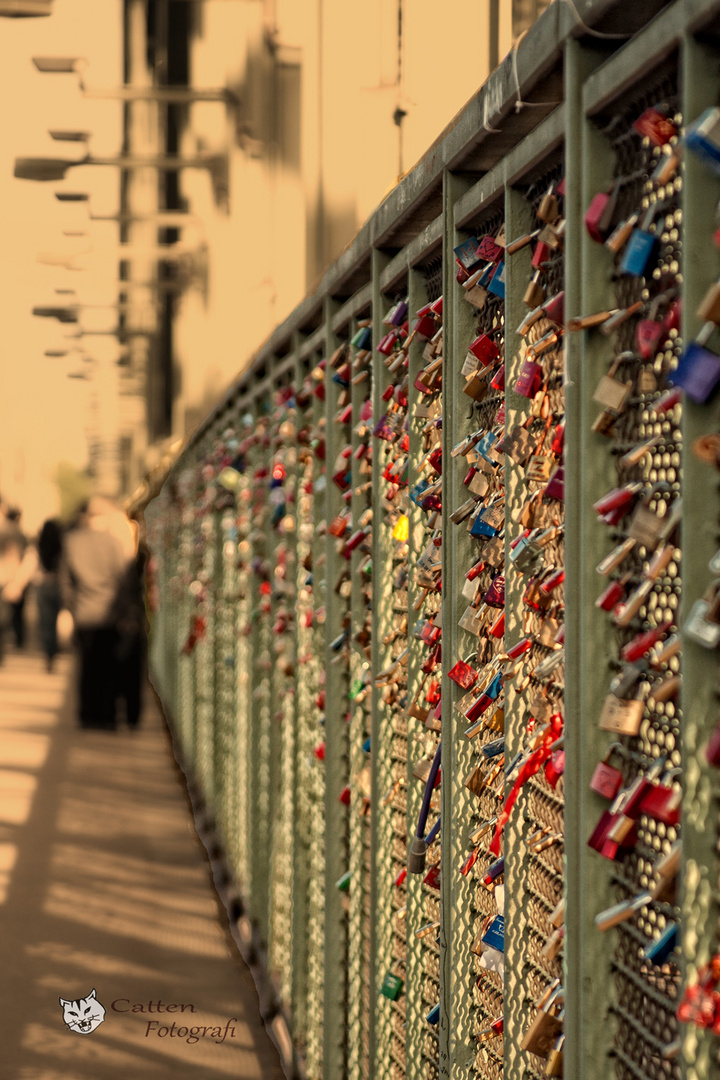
x=314 y=110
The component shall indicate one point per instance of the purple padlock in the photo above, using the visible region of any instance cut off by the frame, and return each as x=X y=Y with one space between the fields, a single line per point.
x=698 y=372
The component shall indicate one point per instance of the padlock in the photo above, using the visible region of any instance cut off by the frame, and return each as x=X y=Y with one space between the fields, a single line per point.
x=646 y=526
x=702 y=136
x=661 y=949
x=462 y=674
x=661 y=802
x=619 y=498
x=620 y=235
x=698 y=627
x=549 y=207
x=541 y=254
x=554 y=1066
x=655 y=125
x=476 y=387
x=621 y=716
x=555 y=768
x=610 y=392
x=547 y=1024
x=613 y=594
x=391 y=987
x=496 y=284
x=534 y=293
x=555 y=487
x=619 y=317
x=644 y=641
x=618 y=554
x=698 y=371
x=709 y=309
x=606 y=779
x=641 y=248
x=601 y=213
x=484 y=349
x=489 y=250
x=600 y=841
x=494 y=933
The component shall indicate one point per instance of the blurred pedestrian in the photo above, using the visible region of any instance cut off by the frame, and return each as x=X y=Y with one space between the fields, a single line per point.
x=47 y=586
x=12 y=549
x=17 y=592
x=91 y=571
x=131 y=648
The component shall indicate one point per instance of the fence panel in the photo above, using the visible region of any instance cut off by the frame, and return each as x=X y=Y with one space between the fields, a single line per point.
x=388 y=581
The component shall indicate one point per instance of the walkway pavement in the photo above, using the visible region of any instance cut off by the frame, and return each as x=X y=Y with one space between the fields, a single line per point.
x=104 y=886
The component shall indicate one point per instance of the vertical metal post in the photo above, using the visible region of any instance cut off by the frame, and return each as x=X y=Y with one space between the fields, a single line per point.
x=358 y=1018
x=517 y=999
x=415 y=1009
x=336 y=745
x=700 y=81
x=456 y=1047
x=301 y=817
x=589 y=635
x=380 y=903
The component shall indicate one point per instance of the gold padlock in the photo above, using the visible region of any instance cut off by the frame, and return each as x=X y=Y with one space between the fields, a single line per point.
x=534 y=294
x=646 y=526
x=554 y=1065
x=610 y=392
x=622 y=716
x=549 y=208
x=709 y=310
x=546 y=1025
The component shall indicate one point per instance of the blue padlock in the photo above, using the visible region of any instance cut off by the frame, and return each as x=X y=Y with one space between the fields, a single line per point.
x=497 y=746
x=657 y=952
x=416 y=493
x=698 y=372
x=481 y=528
x=433 y=1017
x=494 y=936
x=483 y=446
x=640 y=249
x=363 y=338
x=703 y=138
x=496 y=284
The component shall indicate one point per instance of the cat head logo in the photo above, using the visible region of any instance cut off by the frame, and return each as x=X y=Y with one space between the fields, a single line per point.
x=84 y=1014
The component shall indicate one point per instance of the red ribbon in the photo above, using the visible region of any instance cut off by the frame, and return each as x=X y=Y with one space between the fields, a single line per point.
x=530 y=767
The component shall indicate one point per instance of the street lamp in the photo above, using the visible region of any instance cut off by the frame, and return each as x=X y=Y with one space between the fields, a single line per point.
x=46 y=169
x=25 y=9
x=168 y=219
x=165 y=95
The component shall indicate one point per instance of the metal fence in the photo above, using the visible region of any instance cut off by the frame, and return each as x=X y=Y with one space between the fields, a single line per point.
x=433 y=520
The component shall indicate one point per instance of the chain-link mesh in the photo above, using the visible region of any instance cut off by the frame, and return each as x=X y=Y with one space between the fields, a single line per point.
x=646 y=993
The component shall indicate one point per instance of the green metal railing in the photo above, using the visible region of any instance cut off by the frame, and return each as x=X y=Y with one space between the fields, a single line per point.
x=296 y=667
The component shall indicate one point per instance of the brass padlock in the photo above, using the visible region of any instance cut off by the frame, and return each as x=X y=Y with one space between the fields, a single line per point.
x=622 y=716
x=709 y=310
x=546 y=1025
x=610 y=392
x=534 y=294
x=647 y=527
x=539 y=468
x=554 y=1065
x=549 y=208
x=476 y=388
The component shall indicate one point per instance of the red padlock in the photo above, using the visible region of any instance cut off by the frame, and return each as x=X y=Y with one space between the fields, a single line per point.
x=555 y=767
x=607 y=780
x=662 y=801
x=462 y=674
x=529 y=379
x=484 y=349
